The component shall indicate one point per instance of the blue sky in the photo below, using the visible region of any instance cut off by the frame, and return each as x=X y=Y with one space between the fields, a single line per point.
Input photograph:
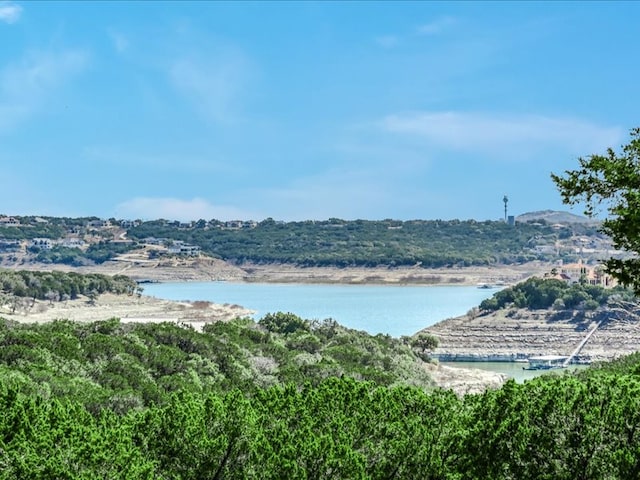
x=241 y=110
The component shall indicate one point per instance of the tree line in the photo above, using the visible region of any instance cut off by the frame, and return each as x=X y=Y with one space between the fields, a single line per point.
x=434 y=243
x=61 y=285
x=333 y=242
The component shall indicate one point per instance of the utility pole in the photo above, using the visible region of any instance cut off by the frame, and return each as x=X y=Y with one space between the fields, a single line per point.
x=505 y=200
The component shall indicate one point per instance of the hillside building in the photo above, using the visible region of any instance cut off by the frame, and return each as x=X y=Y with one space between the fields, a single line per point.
x=581 y=272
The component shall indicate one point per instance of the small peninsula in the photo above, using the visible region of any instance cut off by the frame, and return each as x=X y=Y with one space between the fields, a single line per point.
x=543 y=317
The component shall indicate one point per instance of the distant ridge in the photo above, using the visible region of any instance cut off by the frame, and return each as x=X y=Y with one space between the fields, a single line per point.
x=554 y=216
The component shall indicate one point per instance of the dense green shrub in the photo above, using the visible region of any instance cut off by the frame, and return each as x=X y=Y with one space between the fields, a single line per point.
x=103 y=251
x=556 y=427
x=538 y=293
x=63 y=255
x=141 y=364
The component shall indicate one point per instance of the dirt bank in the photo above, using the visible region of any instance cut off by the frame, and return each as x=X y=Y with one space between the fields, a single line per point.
x=209 y=269
x=128 y=308
x=393 y=275
x=464 y=380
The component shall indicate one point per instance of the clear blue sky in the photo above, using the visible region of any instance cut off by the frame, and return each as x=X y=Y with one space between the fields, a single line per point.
x=242 y=110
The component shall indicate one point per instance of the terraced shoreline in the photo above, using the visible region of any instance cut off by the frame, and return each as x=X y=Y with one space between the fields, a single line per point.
x=516 y=334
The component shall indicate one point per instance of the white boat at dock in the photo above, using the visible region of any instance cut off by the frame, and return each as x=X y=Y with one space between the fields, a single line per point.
x=546 y=362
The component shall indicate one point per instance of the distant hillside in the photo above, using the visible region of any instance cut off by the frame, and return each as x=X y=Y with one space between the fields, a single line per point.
x=553 y=216
x=333 y=242
x=365 y=243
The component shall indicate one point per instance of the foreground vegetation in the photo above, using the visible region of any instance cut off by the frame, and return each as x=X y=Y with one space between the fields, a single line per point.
x=611 y=182
x=119 y=366
x=109 y=401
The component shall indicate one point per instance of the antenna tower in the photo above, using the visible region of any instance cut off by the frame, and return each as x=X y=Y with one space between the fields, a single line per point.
x=505 y=200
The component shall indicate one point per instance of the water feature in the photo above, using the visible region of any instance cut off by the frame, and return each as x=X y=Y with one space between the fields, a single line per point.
x=394 y=310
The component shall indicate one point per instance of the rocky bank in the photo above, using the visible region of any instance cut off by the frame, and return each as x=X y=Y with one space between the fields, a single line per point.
x=516 y=334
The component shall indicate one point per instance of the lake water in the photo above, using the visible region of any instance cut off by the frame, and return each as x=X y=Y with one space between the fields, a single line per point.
x=394 y=310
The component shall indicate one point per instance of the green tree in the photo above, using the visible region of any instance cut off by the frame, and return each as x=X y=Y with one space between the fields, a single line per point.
x=423 y=343
x=611 y=182
x=280 y=322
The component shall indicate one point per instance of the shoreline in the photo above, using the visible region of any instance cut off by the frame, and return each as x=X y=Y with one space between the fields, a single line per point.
x=203 y=269
x=129 y=309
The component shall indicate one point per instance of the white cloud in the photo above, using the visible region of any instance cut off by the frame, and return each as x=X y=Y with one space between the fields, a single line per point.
x=503 y=135
x=436 y=26
x=25 y=85
x=39 y=71
x=177 y=209
x=10 y=12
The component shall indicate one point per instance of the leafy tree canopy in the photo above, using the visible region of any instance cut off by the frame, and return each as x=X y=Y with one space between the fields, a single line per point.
x=283 y=322
x=611 y=182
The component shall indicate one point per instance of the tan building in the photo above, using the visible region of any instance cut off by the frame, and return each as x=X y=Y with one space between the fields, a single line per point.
x=581 y=272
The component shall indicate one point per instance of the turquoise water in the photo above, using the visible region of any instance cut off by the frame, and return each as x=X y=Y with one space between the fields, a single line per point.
x=393 y=310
